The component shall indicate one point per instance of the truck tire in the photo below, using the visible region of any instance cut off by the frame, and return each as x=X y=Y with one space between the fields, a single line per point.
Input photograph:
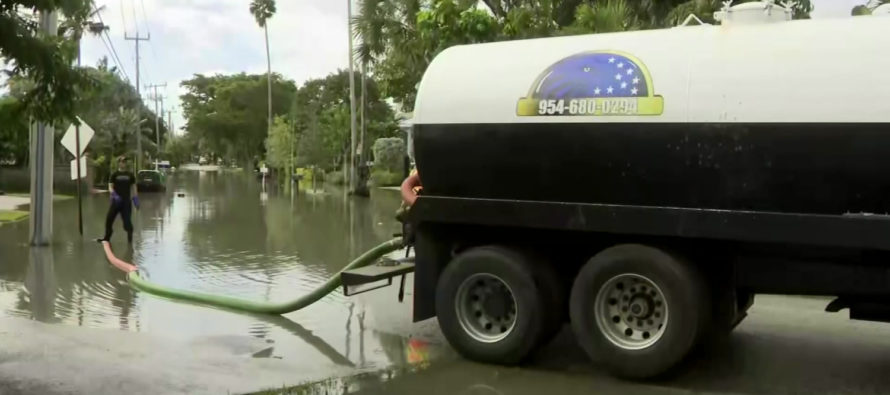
x=489 y=306
x=637 y=310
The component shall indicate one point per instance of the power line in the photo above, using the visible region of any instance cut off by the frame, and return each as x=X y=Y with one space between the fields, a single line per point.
x=154 y=54
x=123 y=19
x=110 y=45
x=158 y=117
x=137 y=38
x=135 y=19
x=114 y=57
x=144 y=17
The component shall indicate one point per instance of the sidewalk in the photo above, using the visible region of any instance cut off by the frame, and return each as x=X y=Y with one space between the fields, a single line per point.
x=60 y=359
x=8 y=202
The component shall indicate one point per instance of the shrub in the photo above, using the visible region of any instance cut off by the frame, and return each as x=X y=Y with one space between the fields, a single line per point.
x=389 y=154
x=385 y=178
x=335 y=177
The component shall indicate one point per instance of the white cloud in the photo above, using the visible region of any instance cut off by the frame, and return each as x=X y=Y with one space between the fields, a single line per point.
x=307 y=40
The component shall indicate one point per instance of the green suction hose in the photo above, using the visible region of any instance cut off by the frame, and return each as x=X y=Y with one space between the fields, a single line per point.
x=329 y=286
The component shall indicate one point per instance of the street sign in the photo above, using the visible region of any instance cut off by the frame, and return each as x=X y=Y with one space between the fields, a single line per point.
x=69 y=140
x=83 y=166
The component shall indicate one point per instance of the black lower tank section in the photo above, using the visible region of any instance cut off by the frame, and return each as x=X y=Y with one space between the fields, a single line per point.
x=780 y=167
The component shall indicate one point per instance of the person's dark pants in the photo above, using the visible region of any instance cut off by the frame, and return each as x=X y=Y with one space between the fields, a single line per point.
x=125 y=209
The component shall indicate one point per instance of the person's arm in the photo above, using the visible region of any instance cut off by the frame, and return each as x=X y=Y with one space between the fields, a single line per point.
x=111 y=194
x=407 y=188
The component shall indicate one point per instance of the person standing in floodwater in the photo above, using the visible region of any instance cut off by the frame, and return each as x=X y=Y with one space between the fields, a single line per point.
x=122 y=186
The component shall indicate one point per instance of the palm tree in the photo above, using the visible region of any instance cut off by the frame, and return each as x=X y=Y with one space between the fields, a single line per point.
x=114 y=132
x=262 y=10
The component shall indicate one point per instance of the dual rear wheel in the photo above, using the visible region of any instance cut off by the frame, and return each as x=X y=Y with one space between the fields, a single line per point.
x=497 y=305
x=635 y=309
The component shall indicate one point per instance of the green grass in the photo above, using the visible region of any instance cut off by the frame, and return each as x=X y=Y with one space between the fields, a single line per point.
x=56 y=197
x=336 y=178
x=12 y=215
x=385 y=178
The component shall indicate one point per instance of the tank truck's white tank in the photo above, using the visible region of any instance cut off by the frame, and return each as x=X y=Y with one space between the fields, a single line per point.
x=757 y=66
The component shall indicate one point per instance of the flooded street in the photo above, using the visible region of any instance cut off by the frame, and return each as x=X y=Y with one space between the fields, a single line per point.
x=229 y=235
x=226 y=235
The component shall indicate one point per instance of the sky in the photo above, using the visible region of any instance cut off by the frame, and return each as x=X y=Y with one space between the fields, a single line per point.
x=308 y=39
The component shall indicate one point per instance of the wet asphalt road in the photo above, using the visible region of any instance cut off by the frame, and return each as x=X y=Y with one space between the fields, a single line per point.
x=787 y=345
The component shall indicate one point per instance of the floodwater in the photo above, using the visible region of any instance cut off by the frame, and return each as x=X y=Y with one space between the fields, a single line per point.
x=228 y=234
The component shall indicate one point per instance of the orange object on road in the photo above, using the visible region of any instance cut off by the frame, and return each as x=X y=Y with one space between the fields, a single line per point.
x=118 y=263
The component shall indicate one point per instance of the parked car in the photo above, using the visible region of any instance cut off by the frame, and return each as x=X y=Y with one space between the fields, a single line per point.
x=151 y=181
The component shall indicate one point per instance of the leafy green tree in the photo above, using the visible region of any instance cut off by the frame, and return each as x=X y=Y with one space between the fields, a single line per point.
x=280 y=145
x=180 y=149
x=866 y=9
x=13 y=132
x=108 y=104
x=111 y=102
x=321 y=119
x=603 y=17
x=45 y=60
x=401 y=37
x=226 y=114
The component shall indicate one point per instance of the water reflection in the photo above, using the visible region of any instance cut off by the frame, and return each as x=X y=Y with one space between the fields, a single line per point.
x=215 y=233
x=40 y=284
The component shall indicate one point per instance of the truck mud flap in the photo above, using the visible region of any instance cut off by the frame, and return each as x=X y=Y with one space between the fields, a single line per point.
x=376 y=276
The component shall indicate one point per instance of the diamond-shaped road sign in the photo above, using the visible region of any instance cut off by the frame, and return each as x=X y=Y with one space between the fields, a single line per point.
x=86 y=134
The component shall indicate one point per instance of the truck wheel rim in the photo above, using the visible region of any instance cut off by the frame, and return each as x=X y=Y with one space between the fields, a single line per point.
x=486 y=308
x=631 y=311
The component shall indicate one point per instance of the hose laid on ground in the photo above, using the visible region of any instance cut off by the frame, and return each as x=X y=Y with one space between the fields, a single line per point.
x=137 y=282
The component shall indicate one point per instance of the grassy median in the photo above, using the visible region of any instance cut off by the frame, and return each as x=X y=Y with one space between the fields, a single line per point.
x=12 y=215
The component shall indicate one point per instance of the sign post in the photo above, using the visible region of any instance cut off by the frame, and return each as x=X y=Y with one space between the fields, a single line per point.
x=77 y=133
x=79 y=195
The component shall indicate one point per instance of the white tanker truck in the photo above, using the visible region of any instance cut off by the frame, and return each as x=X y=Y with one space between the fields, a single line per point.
x=644 y=186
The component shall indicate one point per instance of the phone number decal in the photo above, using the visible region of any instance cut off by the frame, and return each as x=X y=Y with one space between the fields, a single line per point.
x=595 y=106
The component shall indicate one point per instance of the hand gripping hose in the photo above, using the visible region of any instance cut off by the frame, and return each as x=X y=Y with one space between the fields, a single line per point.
x=227 y=302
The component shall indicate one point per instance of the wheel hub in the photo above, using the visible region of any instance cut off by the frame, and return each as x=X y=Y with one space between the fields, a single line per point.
x=641 y=306
x=495 y=304
x=486 y=308
x=631 y=311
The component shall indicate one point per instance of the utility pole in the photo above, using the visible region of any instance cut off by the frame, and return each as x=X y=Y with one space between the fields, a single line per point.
x=157 y=98
x=41 y=219
x=268 y=82
x=169 y=123
x=138 y=38
x=361 y=140
x=352 y=126
x=95 y=28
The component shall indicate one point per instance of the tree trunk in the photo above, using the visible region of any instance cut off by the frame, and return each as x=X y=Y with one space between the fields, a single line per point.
x=268 y=80
x=362 y=116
